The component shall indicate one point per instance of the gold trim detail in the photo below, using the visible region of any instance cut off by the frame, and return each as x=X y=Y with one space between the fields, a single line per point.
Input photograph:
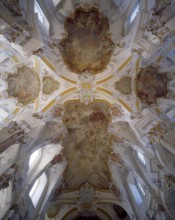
x=15 y=59
x=86 y=85
x=48 y=106
x=68 y=213
x=125 y=105
x=138 y=64
x=36 y=105
x=16 y=111
x=104 y=80
x=125 y=63
x=36 y=64
x=68 y=90
x=69 y=80
x=104 y=90
x=45 y=60
x=96 y=100
x=138 y=105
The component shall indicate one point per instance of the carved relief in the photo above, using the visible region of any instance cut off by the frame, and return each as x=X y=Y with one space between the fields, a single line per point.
x=57 y=111
x=150 y=84
x=116 y=192
x=87 y=145
x=13 y=7
x=116 y=158
x=57 y=159
x=155 y=29
x=117 y=139
x=160 y=7
x=4 y=180
x=18 y=26
x=116 y=111
x=49 y=85
x=87 y=46
x=170 y=181
x=156 y=133
x=23 y=85
x=124 y=85
x=87 y=201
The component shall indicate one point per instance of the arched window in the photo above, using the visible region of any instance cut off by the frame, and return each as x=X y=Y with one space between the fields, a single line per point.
x=35 y=158
x=141 y=158
x=41 y=16
x=37 y=189
x=134 y=13
x=141 y=189
x=138 y=192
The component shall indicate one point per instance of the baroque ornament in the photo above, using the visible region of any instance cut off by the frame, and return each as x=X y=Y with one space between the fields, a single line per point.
x=87 y=46
x=86 y=87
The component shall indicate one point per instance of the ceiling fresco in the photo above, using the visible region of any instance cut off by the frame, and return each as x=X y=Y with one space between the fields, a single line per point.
x=88 y=46
x=151 y=84
x=87 y=145
x=49 y=85
x=124 y=85
x=23 y=85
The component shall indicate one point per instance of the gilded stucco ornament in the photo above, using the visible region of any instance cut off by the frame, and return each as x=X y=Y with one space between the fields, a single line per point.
x=87 y=205
x=169 y=181
x=18 y=27
x=87 y=46
x=156 y=133
x=156 y=29
x=86 y=87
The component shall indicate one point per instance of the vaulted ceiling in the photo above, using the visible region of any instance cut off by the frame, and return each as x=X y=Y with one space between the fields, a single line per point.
x=90 y=84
